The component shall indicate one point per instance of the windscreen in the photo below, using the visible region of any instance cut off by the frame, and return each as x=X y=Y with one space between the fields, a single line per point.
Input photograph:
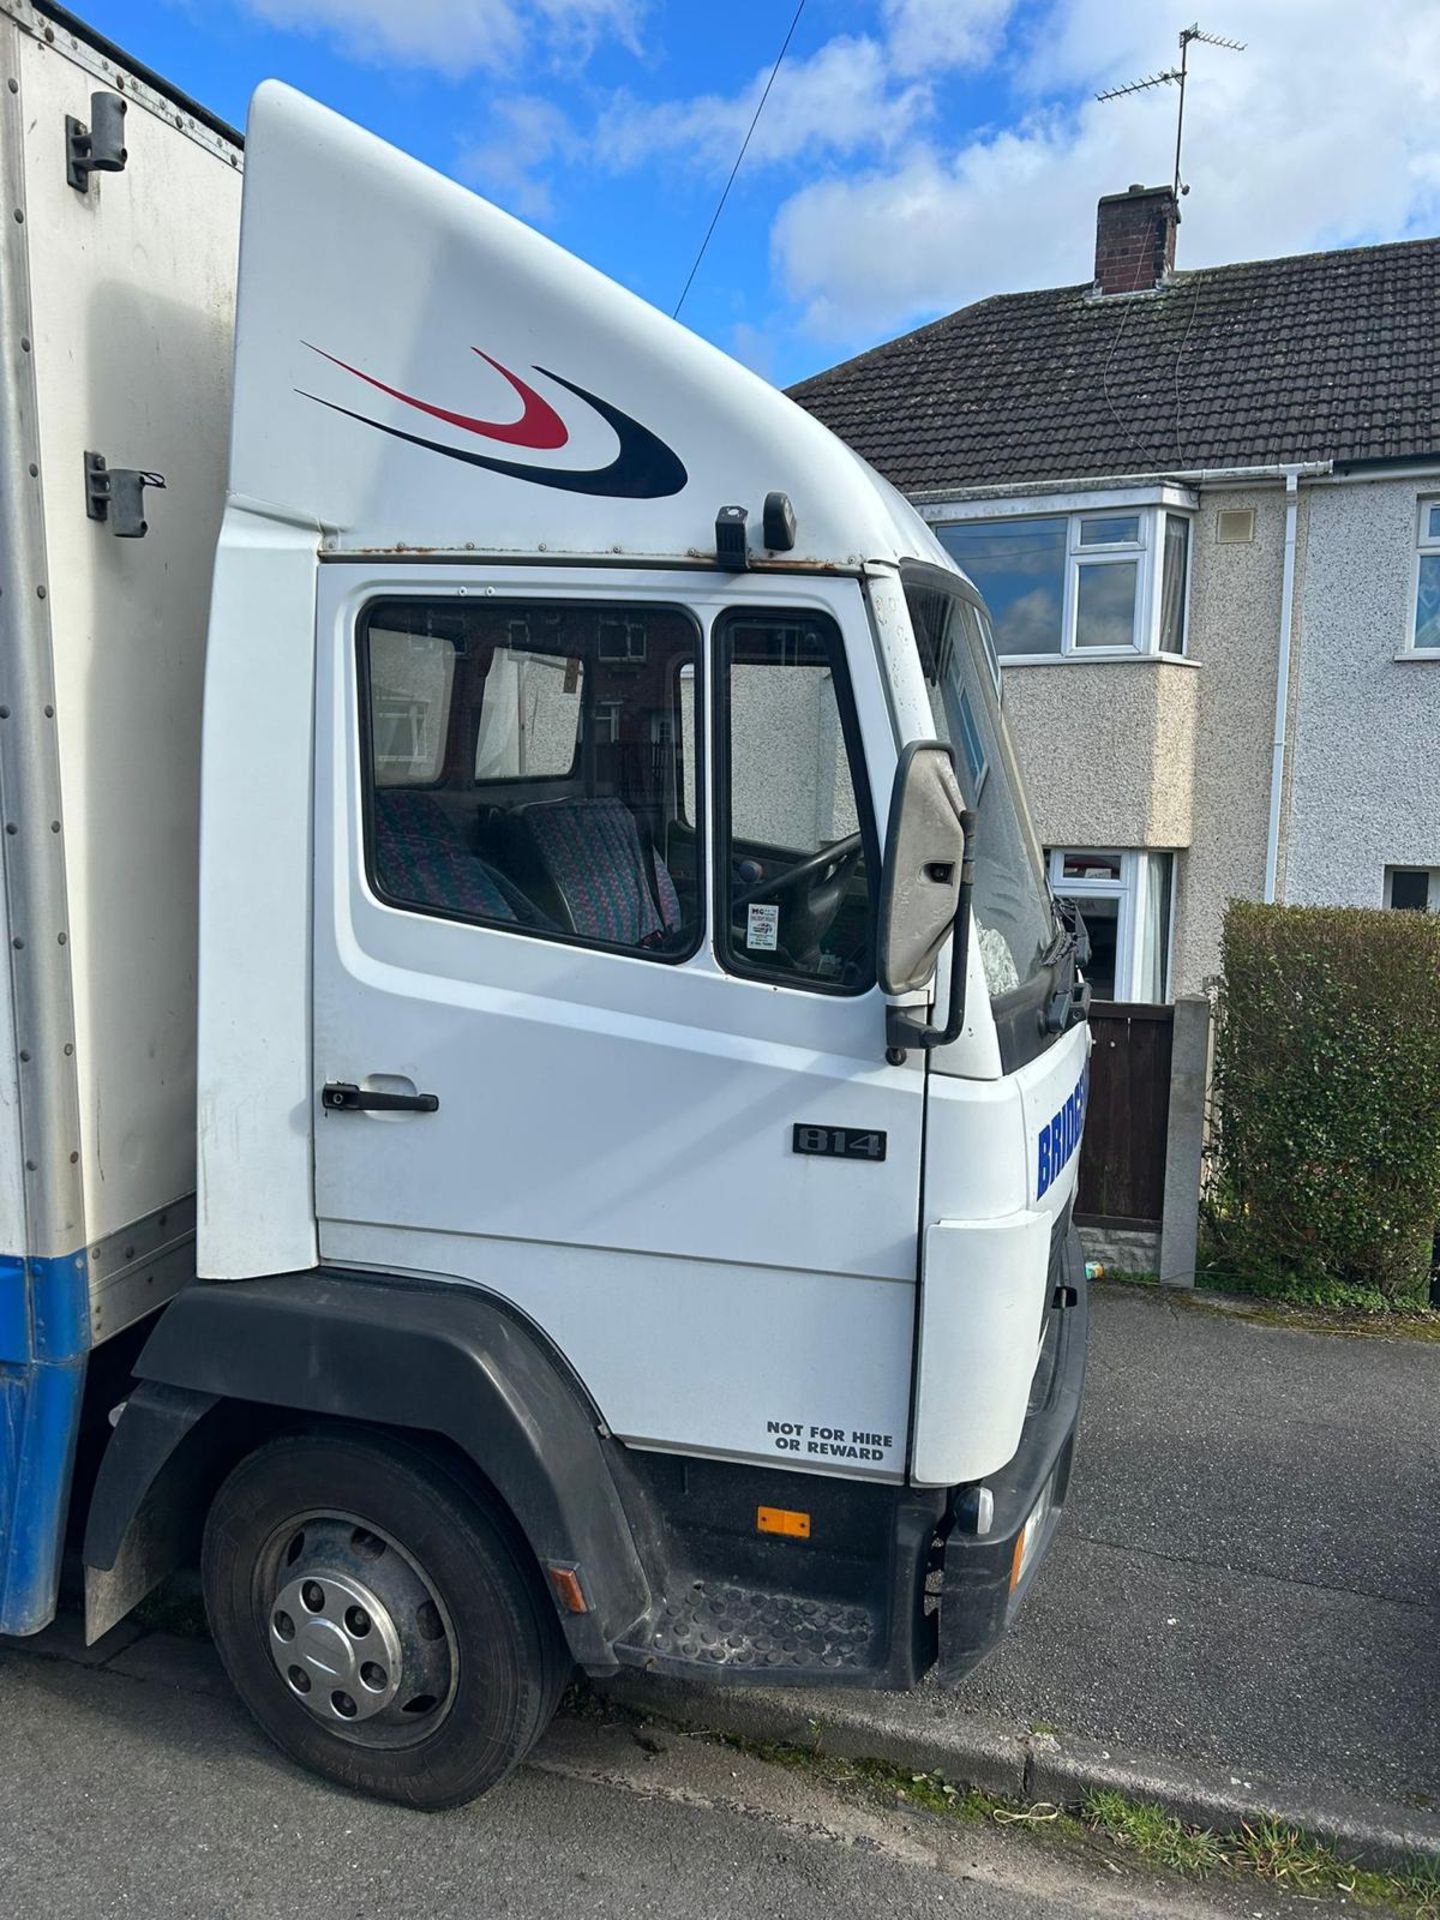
x=1014 y=921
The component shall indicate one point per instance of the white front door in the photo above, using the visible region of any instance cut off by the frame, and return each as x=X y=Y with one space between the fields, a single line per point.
x=519 y=823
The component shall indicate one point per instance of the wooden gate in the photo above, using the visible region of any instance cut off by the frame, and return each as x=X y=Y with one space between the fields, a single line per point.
x=1122 y=1161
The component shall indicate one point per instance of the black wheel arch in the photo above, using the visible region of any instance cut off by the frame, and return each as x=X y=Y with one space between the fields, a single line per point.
x=227 y=1360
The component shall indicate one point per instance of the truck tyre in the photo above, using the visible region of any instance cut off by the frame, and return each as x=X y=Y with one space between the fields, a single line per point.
x=384 y=1626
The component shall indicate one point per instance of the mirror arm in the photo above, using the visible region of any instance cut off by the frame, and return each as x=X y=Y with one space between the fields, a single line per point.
x=902 y=1030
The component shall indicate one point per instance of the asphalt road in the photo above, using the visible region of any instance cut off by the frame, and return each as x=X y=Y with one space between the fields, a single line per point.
x=1248 y=1573
x=128 y=1796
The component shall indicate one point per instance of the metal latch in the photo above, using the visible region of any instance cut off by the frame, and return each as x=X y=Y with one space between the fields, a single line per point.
x=98 y=148
x=117 y=495
x=340 y=1096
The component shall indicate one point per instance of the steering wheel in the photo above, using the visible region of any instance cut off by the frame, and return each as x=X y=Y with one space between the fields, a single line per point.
x=820 y=881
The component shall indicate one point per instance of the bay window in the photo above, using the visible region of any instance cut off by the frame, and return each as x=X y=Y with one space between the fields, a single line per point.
x=1097 y=585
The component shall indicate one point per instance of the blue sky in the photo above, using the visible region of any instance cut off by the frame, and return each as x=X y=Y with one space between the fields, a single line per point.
x=914 y=154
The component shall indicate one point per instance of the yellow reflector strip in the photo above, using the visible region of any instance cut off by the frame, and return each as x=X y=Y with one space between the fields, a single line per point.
x=782 y=1520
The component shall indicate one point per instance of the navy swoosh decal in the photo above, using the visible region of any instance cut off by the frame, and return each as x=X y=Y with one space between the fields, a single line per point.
x=644 y=467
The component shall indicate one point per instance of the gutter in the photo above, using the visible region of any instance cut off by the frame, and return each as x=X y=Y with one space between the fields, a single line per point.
x=1096 y=482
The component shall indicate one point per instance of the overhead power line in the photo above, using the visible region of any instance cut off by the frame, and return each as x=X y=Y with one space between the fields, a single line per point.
x=754 y=122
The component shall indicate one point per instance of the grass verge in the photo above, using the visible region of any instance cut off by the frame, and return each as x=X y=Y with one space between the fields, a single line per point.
x=1263 y=1849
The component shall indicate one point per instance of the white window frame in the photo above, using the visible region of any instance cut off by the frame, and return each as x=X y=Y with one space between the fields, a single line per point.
x=1147 y=553
x=1425 y=546
x=1136 y=874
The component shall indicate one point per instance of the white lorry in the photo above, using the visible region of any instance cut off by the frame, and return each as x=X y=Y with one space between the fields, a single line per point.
x=541 y=1130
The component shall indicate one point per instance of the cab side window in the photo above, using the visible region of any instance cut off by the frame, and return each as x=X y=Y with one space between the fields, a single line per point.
x=526 y=768
x=797 y=845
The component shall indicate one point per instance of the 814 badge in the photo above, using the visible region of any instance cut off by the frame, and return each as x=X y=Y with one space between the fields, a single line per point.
x=839 y=1143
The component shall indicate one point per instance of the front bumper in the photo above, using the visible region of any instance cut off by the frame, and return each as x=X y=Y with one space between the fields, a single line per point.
x=979 y=1591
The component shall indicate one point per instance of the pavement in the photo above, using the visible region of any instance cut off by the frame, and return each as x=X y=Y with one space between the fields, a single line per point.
x=140 y=1787
x=1242 y=1607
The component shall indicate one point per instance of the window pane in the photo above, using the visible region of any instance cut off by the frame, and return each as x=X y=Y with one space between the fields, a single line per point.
x=1105 y=604
x=552 y=740
x=1113 y=530
x=1101 y=914
x=1172 y=585
x=1019 y=566
x=1409 y=888
x=530 y=716
x=412 y=675
x=792 y=798
x=1090 y=866
x=1427 y=602
x=1432 y=523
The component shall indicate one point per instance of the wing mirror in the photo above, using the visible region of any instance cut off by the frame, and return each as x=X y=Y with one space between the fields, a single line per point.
x=925 y=891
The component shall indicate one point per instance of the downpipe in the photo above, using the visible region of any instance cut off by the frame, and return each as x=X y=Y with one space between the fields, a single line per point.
x=1282 y=686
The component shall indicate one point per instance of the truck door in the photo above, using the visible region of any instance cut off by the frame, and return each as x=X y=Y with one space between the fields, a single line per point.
x=595 y=1021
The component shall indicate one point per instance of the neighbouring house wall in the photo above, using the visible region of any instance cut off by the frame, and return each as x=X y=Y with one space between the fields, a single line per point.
x=1107 y=748
x=1365 y=748
x=1234 y=635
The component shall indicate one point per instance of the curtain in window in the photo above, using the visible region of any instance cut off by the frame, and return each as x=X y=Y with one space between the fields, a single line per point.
x=1152 y=943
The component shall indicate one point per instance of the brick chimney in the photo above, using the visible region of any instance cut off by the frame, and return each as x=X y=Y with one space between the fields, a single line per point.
x=1135 y=240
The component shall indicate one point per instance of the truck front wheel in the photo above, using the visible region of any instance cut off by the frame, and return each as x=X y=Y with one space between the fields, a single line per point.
x=383 y=1627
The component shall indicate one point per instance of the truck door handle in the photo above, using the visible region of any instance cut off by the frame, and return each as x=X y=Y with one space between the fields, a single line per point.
x=340 y=1096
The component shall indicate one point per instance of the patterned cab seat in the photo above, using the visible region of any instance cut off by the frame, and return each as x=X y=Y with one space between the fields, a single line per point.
x=421 y=857
x=590 y=856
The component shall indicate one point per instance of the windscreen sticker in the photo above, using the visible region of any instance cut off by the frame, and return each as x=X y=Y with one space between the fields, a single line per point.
x=762 y=929
x=810 y=1442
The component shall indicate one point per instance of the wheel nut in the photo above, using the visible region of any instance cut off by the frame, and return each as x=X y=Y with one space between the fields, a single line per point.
x=358 y=1621
x=299 y=1679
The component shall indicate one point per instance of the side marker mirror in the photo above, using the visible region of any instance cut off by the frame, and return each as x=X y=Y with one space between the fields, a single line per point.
x=924 y=891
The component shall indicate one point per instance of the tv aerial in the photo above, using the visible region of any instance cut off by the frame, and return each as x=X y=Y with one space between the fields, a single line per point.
x=1175 y=77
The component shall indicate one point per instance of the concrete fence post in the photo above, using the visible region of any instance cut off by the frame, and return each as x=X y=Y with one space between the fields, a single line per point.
x=1189 y=1086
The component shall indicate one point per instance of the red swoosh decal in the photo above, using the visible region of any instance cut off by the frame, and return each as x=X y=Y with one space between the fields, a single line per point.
x=538 y=426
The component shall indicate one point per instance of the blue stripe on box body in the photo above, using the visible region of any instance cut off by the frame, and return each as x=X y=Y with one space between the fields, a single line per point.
x=44 y=1339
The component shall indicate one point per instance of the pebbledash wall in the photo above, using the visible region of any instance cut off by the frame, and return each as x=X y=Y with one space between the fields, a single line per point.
x=1235 y=598
x=1364 y=789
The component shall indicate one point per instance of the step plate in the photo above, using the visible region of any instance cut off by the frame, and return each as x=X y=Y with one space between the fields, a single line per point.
x=708 y=1624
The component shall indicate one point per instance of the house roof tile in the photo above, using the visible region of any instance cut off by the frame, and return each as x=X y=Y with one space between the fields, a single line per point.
x=1321 y=356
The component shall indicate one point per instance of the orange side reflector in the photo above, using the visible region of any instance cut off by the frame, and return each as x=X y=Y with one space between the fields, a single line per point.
x=782 y=1520
x=1017 y=1560
x=568 y=1590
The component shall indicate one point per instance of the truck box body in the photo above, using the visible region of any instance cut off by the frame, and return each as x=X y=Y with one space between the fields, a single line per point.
x=116 y=332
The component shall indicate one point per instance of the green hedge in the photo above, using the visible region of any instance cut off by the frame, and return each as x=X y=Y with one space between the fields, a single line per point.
x=1325 y=1153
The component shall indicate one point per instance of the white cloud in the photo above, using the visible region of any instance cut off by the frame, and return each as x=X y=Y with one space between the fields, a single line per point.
x=454 y=37
x=527 y=134
x=1324 y=133
x=840 y=101
x=924 y=35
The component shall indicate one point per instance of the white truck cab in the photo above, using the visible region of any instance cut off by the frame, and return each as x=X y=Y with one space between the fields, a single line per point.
x=640 y=1068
